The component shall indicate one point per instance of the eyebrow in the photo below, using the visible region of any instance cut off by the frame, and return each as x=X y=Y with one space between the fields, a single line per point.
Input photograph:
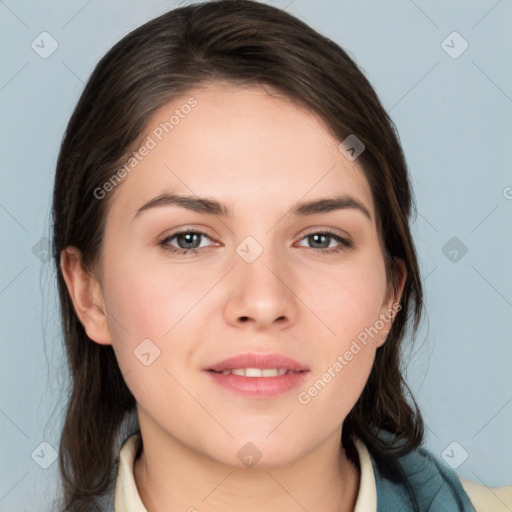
x=213 y=207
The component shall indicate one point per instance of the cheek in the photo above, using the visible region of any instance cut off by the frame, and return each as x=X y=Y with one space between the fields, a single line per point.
x=348 y=300
x=149 y=300
x=156 y=304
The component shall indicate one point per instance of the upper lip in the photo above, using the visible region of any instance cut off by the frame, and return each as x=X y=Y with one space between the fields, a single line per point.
x=255 y=360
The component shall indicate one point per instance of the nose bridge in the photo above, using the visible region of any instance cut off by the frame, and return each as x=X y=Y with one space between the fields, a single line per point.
x=262 y=289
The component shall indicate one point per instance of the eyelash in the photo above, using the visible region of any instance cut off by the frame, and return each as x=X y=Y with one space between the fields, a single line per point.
x=344 y=243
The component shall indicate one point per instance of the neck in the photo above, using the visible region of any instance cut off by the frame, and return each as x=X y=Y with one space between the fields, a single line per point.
x=172 y=477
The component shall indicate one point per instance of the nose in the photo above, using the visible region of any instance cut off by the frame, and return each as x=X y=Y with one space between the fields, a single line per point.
x=260 y=294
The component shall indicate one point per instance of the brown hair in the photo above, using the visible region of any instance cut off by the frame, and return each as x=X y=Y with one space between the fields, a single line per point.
x=240 y=41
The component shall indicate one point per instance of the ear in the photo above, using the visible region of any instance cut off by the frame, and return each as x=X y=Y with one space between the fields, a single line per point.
x=391 y=304
x=86 y=295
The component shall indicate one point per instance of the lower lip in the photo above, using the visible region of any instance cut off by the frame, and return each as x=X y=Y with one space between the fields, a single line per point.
x=259 y=387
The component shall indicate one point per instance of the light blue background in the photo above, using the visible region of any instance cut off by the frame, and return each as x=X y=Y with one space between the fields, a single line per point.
x=454 y=120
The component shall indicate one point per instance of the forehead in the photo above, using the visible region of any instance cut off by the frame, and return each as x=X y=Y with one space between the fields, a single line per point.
x=246 y=146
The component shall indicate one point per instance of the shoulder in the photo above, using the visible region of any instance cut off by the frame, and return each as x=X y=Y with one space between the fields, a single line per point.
x=419 y=481
x=488 y=499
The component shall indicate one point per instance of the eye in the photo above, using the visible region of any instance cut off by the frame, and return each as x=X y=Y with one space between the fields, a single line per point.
x=322 y=242
x=185 y=242
x=190 y=242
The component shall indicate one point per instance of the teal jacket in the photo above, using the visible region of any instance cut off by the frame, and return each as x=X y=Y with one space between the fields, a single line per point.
x=418 y=482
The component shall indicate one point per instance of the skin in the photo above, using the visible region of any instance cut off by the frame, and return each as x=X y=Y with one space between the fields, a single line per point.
x=259 y=154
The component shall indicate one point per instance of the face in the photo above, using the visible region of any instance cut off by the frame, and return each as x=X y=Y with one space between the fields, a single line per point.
x=186 y=285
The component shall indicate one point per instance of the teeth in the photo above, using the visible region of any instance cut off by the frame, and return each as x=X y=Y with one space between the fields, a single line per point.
x=256 y=372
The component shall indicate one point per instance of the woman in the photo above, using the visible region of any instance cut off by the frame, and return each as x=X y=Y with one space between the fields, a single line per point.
x=236 y=274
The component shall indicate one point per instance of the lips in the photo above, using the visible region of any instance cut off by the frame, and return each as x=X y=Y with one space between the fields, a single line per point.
x=255 y=360
x=258 y=376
